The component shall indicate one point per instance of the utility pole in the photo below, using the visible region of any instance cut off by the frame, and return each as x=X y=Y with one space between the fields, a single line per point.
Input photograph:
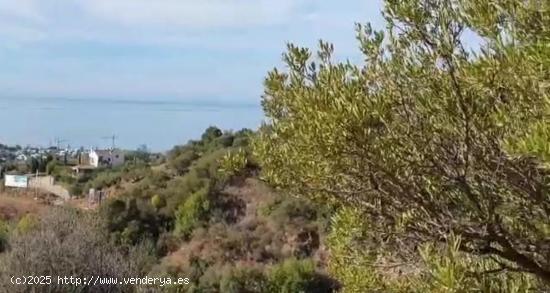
x=36 y=185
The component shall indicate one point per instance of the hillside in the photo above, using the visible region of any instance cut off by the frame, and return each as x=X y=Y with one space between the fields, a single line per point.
x=210 y=227
x=227 y=233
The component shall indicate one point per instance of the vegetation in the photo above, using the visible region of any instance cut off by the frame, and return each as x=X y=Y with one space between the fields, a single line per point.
x=434 y=144
x=192 y=212
x=4 y=234
x=243 y=280
x=70 y=243
x=38 y=164
x=426 y=169
x=295 y=276
x=26 y=224
x=202 y=222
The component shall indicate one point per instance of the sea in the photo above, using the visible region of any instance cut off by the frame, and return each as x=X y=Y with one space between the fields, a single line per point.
x=91 y=123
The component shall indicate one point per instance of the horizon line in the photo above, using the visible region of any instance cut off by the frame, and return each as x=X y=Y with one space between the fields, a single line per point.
x=208 y=102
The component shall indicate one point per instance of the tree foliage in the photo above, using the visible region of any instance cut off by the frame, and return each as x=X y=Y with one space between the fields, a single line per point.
x=361 y=264
x=429 y=137
x=211 y=133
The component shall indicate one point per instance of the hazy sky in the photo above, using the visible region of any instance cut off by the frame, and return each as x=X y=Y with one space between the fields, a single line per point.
x=163 y=49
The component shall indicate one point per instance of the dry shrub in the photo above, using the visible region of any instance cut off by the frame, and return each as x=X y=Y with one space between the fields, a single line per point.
x=67 y=242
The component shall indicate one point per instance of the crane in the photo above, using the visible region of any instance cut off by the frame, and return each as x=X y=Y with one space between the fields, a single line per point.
x=59 y=141
x=113 y=139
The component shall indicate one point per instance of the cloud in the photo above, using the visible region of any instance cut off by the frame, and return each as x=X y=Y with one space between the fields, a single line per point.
x=193 y=14
x=19 y=22
x=14 y=36
x=21 y=10
x=221 y=24
x=152 y=48
x=155 y=22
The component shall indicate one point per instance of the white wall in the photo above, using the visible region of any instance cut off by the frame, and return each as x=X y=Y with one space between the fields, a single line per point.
x=94 y=159
x=115 y=158
x=16 y=181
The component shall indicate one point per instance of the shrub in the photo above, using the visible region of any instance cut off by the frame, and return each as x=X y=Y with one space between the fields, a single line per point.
x=179 y=189
x=158 y=202
x=182 y=160
x=242 y=138
x=294 y=275
x=243 y=280
x=233 y=163
x=76 y=189
x=208 y=165
x=167 y=243
x=4 y=234
x=224 y=141
x=70 y=243
x=192 y=212
x=104 y=179
x=133 y=220
x=211 y=133
x=26 y=223
x=51 y=166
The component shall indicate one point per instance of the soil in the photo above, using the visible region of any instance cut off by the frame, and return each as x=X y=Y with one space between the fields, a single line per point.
x=16 y=204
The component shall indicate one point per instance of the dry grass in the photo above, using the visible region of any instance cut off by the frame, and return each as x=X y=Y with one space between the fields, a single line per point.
x=14 y=205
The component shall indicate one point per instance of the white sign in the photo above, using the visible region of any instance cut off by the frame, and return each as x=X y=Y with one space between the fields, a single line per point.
x=16 y=181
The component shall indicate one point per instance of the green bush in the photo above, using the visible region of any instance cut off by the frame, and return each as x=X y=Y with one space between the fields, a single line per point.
x=76 y=189
x=179 y=189
x=233 y=163
x=182 y=159
x=208 y=165
x=158 y=202
x=51 y=166
x=429 y=137
x=242 y=138
x=192 y=212
x=26 y=223
x=104 y=180
x=211 y=133
x=292 y=276
x=133 y=220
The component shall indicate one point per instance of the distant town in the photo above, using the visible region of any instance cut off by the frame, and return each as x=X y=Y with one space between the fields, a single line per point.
x=14 y=154
x=30 y=159
x=63 y=172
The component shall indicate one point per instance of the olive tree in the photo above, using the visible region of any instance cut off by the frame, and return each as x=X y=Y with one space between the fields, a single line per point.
x=435 y=134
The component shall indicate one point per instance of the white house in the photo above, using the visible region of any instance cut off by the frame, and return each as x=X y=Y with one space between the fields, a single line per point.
x=22 y=157
x=106 y=158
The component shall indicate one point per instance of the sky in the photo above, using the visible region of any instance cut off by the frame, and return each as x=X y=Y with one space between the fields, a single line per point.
x=184 y=50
